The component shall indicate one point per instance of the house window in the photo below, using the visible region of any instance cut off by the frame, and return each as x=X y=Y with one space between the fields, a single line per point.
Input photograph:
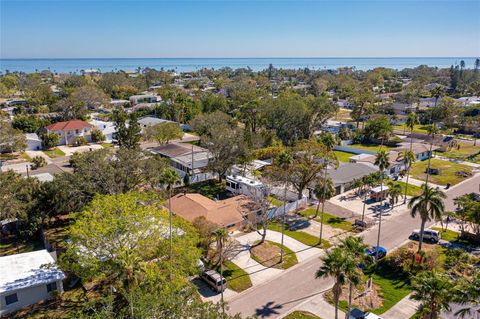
x=230 y=226
x=9 y=299
x=76 y=131
x=51 y=287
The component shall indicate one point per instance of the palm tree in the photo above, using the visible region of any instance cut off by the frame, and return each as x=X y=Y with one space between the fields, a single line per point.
x=221 y=236
x=284 y=162
x=468 y=294
x=394 y=191
x=434 y=291
x=170 y=178
x=324 y=190
x=366 y=181
x=355 y=247
x=337 y=263
x=432 y=130
x=429 y=205
x=408 y=158
x=382 y=161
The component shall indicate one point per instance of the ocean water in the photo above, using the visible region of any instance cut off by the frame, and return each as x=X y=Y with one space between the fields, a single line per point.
x=192 y=64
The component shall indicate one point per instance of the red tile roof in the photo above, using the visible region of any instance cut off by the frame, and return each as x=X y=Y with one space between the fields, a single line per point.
x=69 y=125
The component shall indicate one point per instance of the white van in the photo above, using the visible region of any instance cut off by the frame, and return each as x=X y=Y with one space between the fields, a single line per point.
x=214 y=280
x=428 y=235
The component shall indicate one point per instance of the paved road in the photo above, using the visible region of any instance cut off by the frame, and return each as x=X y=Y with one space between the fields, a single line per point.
x=468 y=186
x=298 y=284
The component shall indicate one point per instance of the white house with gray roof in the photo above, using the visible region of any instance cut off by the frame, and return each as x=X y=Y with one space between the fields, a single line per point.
x=28 y=278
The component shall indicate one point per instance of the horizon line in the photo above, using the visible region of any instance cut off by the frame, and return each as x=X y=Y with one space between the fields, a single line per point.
x=249 y=57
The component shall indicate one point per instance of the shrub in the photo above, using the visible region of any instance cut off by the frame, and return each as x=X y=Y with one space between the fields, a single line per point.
x=97 y=136
x=38 y=162
x=79 y=141
x=49 y=140
x=268 y=152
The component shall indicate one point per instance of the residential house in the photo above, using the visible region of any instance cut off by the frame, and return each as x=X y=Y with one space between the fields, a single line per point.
x=69 y=131
x=106 y=127
x=444 y=143
x=232 y=213
x=422 y=152
x=186 y=159
x=344 y=175
x=34 y=143
x=151 y=121
x=28 y=278
x=144 y=98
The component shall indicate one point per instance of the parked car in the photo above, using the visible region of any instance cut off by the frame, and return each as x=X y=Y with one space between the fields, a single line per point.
x=214 y=280
x=428 y=235
x=372 y=252
x=358 y=314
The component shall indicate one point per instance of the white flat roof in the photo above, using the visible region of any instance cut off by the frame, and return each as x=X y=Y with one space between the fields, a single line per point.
x=44 y=177
x=377 y=189
x=244 y=180
x=25 y=270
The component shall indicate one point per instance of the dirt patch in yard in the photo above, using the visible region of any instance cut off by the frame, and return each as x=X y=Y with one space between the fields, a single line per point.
x=268 y=254
x=360 y=299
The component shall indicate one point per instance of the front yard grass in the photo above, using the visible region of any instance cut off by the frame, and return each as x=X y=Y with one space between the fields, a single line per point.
x=328 y=219
x=419 y=128
x=54 y=152
x=274 y=201
x=371 y=147
x=394 y=286
x=13 y=156
x=446 y=175
x=343 y=156
x=211 y=189
x=268 y=255
x=237 y=279
x=299 y=235
x=343 y=115
x=466 y=152
x=413 y=190
x=301 y=315
x=107 y=145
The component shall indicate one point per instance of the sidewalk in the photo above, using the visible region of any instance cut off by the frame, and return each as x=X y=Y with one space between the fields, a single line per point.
x=405 y=308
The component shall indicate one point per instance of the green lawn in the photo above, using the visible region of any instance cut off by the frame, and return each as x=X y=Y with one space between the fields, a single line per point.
x=210 y=188
x=237 y=279
x=393 y=286
x=329 y=219
x=289 y=257
x=343 y=156
x=419 y=128
x=299 y=235
x=448 y=235
x=301 y=315
x=54 y=152
x=107 y=145
x=343 y=115
x=466 y=152
x=374 y=148
x=413 y=190
x=12 y=156
x=274 y=201
x=446 y=175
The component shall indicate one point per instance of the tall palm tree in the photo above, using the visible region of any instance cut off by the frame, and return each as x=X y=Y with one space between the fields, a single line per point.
x=432 y=130
x=170 y=178
x=285 y=161
x=408 y=158
x=394 y=192
x=324 y=190
x=337 y=263
x=221 y=236
x=468 y=294
x=429 y=205
x=434 y=291
x=355 y=247
x=382 y=161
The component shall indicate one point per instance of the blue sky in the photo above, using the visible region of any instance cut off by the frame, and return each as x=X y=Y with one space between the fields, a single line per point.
x=93 y=28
